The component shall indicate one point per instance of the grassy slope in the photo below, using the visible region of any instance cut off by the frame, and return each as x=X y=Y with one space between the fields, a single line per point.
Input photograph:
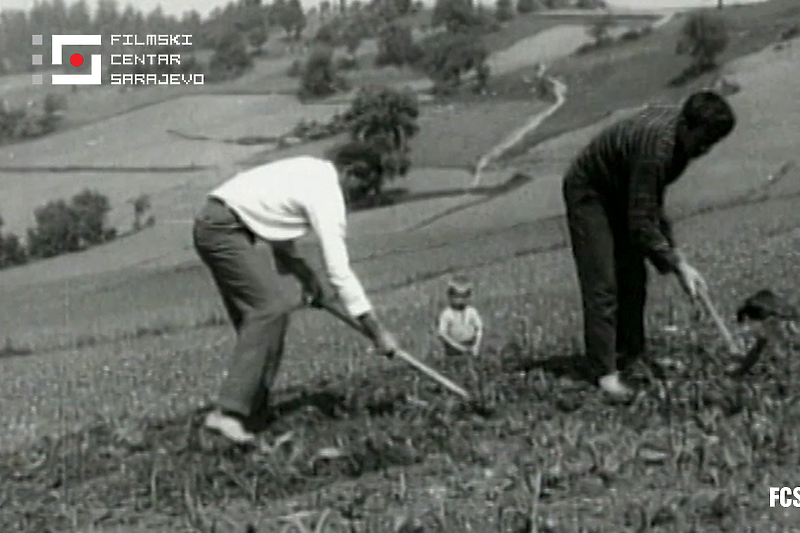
x=535 y=288
x=628 y=74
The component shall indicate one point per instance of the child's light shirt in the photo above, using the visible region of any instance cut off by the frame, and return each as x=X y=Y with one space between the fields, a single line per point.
x=462 y=326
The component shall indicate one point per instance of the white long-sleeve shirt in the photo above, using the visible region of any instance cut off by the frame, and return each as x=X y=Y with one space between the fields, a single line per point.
x=284 y=200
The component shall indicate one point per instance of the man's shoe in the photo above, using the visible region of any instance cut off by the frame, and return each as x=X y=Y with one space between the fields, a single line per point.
x=612 y=385
x=229 y=427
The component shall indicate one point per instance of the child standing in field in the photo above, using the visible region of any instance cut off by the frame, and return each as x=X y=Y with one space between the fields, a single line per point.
x=460 y=326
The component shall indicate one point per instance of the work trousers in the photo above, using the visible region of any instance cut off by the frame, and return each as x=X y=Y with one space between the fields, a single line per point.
x=612 y=276
x=249 y=283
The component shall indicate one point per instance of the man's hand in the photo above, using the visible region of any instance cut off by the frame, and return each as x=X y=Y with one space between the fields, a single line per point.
x=386 y=343
x=314 y=294
x=690 y=279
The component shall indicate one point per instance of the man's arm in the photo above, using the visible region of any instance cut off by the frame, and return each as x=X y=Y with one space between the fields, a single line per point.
x=665 y=225
x=326 y=213
x=288 y=260
x=646 y=220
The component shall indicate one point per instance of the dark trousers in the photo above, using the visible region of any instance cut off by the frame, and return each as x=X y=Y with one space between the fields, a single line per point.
x=612 y=277
x=249 y=284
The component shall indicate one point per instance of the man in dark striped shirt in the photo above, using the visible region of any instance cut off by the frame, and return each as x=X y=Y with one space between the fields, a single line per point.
x=614 y=193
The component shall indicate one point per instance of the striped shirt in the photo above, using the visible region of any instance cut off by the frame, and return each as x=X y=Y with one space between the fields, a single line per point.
x=630 y=164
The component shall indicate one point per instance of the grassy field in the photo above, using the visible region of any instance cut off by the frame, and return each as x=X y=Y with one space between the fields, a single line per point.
x=110 y=360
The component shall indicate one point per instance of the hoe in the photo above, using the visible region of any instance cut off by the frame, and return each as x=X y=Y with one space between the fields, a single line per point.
x=474 y=405
x=765 y=314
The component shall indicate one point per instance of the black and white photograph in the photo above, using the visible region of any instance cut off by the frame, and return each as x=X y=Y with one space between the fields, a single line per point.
x=399 y=266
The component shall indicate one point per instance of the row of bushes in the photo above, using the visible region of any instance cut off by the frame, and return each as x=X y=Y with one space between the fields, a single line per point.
x=35 y=120
x=444 y=57
x=65 y=227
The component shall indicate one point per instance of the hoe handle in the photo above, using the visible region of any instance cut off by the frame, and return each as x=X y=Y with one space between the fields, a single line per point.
x=705 y=299
x=408 y=358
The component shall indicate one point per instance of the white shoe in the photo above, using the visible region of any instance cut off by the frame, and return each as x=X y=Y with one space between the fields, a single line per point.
x=614 y=386
x=229 y=427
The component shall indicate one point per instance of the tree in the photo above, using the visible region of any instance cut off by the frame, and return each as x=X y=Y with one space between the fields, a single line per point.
x=599 y=29
x=403 y=6
x=63 y=228
x=230 y=57
x=324 y=9
x=353 y=35
x=383 y=115
x=319 y=76
x=12 y=251
x=504 y=10
x=54 y=233
x=289 y=15
x=704 y=36
x=253 y=21
x=396 y=46
x=448 y=56
x=141 y=204
x=383 y=119
x=455 y=15
x=89 y=211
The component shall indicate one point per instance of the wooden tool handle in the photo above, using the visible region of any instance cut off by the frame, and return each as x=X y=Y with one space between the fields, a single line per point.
x=733 y=346
x=408 y=358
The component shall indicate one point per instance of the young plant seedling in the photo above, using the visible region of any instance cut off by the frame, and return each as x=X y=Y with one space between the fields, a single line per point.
x=764 y=314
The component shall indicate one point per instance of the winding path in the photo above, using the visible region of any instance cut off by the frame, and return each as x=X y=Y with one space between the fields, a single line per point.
x=560 y=92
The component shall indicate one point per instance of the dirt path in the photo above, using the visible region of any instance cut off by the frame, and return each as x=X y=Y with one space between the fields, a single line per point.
x=552 y=44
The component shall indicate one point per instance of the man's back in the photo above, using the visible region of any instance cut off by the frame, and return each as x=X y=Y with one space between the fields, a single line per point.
x=607 y=161
x=276 y=200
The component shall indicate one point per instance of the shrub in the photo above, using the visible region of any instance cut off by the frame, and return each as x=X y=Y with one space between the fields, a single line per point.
x=704 y=36
x=448 y=56
x=354 y=33
x=54 y=103
x=346 y=63
x=599 y=29
x=504 y=10
x=230 y=58
x=295 y=69
x=630 y=35
x=590 y=4
x=63 y=228
x=528 y=6
x=790 y=33
x=319 y=78
x=396 y=46
x=12 y=251
x=456 y=15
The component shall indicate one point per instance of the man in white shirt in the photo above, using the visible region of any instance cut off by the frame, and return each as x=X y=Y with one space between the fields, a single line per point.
x=276 y=203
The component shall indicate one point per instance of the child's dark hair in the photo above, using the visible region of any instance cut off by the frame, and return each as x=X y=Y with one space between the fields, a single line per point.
x=709 y=111
x=357 y=157
x=459 y=286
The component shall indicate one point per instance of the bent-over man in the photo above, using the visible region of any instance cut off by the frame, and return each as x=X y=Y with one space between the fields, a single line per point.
x=614 y=192
x=277 y=203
